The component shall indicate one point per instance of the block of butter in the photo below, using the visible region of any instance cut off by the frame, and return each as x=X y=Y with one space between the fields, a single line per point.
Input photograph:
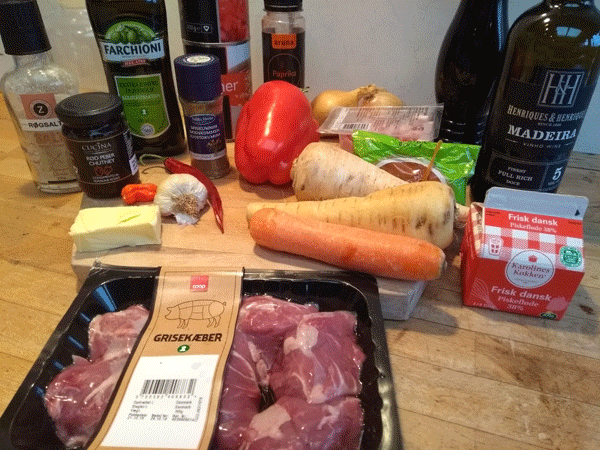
x=110 y=227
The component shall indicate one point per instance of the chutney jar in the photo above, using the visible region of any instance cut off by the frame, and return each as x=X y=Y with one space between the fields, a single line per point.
x=100 y=143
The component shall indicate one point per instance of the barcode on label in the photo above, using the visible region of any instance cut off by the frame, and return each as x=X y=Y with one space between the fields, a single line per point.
x=355 y=126
x=169 y=387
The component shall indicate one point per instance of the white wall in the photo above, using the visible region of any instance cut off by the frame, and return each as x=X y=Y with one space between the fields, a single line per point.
x=391 y=43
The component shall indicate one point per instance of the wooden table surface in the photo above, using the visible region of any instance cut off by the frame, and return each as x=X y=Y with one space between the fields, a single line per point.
x=465 y=378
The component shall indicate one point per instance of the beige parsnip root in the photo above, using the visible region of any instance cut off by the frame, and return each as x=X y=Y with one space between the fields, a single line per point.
x=423 y=210
x=325 y=171
x=392 y=256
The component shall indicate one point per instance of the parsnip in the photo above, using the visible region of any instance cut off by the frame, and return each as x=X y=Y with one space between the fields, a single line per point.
x=325 y=171
x=424 y=210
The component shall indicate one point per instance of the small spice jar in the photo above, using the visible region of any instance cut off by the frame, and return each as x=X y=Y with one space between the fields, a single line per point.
x=96 y=133
x=201 y=96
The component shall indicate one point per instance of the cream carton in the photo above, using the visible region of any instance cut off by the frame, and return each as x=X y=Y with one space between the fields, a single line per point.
x=522 y=252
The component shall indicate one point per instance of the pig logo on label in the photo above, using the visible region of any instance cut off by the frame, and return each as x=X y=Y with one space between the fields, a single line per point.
x=209 y=310
x=529 y=269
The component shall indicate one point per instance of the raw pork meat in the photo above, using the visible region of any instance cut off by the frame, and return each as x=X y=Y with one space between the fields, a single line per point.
x=112 y=333
x=263 y=322
x=266 y=321
x=293 y=424
x=77 y=397
x=240 y=395
x=320 y=359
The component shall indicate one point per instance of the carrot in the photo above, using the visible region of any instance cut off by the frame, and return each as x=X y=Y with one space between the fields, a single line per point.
x=423 y=210
x=379 y=254
x=324 y=170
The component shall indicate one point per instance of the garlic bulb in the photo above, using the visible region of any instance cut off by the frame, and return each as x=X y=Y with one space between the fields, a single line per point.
x=183 y=196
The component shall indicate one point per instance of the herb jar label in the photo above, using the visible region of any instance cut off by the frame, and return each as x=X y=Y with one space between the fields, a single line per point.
x=104 y=161
x=206 y=136
x=143 y=104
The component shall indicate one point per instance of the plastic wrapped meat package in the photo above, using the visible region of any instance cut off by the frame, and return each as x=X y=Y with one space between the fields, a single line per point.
x=405 y=123
x=310 y=361
x=308 y=367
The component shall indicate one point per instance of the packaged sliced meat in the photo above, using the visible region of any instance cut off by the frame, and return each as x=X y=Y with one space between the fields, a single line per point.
x=320 y=360
x=240 y=395
x=112 y=333
x=263 y=323
x=64 y=397
x=78 y=396
x=292 y=423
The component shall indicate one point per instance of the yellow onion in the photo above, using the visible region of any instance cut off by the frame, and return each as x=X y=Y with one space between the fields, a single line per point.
x=380 y=98
x=369 y=95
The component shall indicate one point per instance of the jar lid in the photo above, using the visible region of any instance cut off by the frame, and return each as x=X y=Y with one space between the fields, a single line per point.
x=22 y=28
x=198 y=77
x=283 y=5
x=89 y=109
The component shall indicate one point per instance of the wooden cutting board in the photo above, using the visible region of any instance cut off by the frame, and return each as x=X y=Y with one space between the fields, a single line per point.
x=203 y=244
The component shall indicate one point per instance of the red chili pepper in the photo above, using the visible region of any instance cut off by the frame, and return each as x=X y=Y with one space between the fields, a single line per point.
x=175 y=166
x=134 y=193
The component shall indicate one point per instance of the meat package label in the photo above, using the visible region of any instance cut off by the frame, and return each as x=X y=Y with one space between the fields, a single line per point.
x=169 y=394
x=523 y=259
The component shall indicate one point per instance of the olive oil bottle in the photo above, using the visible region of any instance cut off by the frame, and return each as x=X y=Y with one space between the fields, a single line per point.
x=134 y=46
x=551 y=67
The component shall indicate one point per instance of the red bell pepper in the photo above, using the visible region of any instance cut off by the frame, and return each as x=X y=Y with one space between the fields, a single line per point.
x=273 y=128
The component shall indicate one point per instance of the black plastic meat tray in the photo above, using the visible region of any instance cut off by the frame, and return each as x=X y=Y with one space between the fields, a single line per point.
x=25 y=424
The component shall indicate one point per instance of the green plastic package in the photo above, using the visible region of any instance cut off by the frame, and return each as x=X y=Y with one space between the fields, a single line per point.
x=454 y=163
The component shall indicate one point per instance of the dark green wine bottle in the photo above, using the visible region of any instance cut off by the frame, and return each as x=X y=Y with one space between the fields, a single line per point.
x=134 y=46
x=468 y=65
x=551 y=67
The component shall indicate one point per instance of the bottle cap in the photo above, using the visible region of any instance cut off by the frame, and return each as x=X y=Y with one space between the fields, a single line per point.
x=198 y=77
x=89 y=109
x=22 y=28
x=283 y=5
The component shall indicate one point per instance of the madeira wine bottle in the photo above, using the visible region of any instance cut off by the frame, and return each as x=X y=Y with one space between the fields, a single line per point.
x=469 y=62
x=134 y=46
x=549 y=75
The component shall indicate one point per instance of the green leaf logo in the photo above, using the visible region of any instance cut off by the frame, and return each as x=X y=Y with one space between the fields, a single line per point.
x=129 y=32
